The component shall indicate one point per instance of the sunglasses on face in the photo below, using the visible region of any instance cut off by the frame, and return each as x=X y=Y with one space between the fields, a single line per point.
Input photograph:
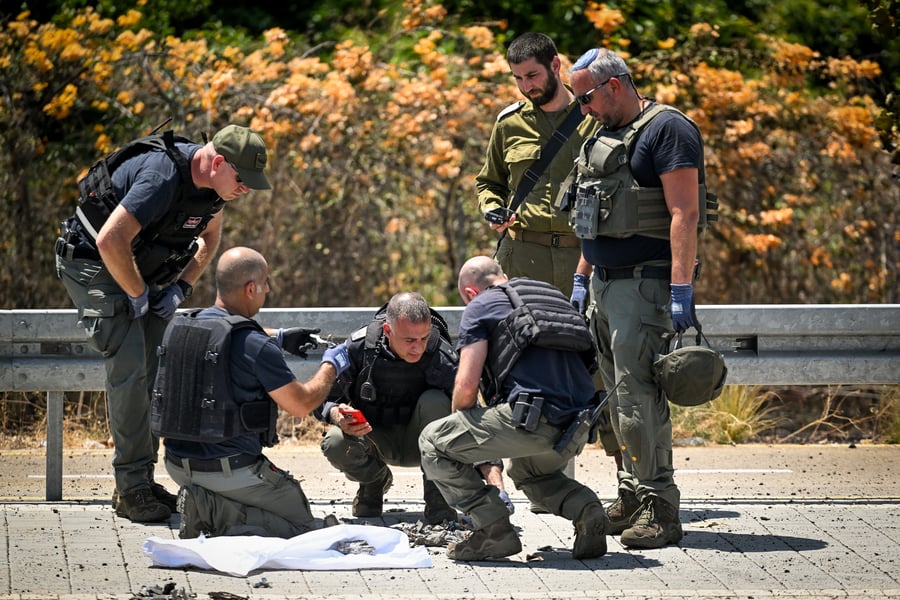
x=237 y=176
x=585 y=98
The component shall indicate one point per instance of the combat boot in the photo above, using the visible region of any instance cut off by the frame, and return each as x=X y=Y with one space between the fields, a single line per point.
x=436 y=508
x=159 y=492
x=369 y=500
x=165 y=497
x=623 y=512
x=141 y=506
x=590 y=532
x=497 y=540
x=656 y=525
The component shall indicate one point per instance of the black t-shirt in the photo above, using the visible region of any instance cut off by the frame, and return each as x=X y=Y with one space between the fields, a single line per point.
x=668 y=143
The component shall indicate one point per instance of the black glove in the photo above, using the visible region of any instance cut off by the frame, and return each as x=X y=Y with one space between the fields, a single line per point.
x=297 y=340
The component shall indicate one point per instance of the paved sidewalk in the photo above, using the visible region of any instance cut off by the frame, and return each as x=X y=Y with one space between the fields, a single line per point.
x=783 y=542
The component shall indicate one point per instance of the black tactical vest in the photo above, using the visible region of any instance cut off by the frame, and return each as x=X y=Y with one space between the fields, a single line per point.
x=163 y=249
x=542 y=316
x=192 y=396
x=387 y=390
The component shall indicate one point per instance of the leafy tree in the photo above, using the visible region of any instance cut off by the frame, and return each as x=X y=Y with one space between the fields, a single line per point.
x=375 y=138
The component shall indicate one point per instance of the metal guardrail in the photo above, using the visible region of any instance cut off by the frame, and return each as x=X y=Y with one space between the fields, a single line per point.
x=794 y=344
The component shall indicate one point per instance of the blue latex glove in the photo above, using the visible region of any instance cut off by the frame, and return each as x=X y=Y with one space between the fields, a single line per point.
x=297 y=340
x=509 y=504
x=683 y=314
x=167 y=301
x=338 y=357
x=580 y=293
x=140 y=305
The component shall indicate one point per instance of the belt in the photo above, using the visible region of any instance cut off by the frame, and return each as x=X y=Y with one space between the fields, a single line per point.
x=639 y=272
x=71 y=252
x=214 y=465
x=554 y=240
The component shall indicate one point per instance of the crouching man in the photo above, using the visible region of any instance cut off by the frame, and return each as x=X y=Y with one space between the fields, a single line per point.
x=533 y=389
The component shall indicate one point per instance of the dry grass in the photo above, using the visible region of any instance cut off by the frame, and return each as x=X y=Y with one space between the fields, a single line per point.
x=742 y=414
x=737 y=415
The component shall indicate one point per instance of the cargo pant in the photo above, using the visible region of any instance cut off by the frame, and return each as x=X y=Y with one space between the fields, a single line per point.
x=632 y=318
x=364 y=459
x=556 y=266
x=260 y=499
x=450 y=446
x=129 y=348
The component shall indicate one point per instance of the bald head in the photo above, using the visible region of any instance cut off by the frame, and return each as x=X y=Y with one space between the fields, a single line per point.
x=237 y=267
x=477 y=274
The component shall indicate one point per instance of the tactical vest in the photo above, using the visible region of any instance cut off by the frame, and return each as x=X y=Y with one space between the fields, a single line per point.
x=161 y=250
x=603 y=198
x=541 y=316
x=386 y=391
x=192 y=395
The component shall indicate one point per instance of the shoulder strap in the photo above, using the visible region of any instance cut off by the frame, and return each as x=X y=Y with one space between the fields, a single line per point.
x=556 y=141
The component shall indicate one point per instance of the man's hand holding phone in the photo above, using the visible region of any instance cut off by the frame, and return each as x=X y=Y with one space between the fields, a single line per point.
x=352 y=421
x=500 y=218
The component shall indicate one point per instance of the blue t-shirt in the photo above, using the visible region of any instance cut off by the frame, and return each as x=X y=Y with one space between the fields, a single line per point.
x=257 y=367
x=668 y=143
x=558 y=375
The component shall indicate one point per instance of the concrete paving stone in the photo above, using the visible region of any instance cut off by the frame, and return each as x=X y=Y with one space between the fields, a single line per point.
x=757 y=533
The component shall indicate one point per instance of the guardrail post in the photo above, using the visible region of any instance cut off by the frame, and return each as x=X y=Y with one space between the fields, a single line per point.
x=54 y=445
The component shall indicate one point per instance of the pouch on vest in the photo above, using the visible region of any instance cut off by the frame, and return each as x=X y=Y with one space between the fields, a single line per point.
x=606 y=200
x=192 y=396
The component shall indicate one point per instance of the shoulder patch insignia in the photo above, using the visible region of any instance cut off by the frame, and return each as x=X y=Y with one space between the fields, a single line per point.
x=514 y=107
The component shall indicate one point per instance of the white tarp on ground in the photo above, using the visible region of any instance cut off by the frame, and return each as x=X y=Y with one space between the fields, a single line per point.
x=312 y=551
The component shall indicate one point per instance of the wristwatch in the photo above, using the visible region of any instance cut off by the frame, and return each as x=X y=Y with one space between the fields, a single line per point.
x=186 y=288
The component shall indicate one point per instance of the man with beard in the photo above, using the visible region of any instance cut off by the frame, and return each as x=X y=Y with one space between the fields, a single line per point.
x=539 y=241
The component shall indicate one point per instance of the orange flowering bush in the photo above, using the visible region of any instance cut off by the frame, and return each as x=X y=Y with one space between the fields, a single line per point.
x=375 y=140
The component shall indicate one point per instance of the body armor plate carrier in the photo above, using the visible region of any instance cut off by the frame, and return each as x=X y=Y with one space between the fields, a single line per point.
x=192 y=396
x=163 y=249
x=603 y=198
x=542 y=316
x=386 y=391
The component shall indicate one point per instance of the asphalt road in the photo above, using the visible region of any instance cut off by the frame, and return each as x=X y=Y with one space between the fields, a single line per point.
x=712 y=472
x=760 y=522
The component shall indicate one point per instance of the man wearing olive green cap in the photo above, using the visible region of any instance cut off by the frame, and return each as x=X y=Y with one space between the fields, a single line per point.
x=147 y=225
x=244 y=150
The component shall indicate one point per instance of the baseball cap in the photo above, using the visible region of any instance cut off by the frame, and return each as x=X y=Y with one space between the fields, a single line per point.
x=246 y=150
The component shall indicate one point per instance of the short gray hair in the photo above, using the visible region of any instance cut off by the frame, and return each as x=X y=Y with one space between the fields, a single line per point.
x=408 y=305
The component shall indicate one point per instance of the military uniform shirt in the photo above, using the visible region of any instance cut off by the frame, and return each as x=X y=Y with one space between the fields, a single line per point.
x=519 y=134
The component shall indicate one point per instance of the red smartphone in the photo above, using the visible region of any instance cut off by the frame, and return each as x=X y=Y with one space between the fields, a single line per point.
x=354 y=413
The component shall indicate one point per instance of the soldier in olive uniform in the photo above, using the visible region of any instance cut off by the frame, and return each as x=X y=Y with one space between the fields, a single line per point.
x=540 y=243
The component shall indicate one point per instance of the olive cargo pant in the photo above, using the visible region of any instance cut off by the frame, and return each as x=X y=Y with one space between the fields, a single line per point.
x=451 y=445
x=632 y=317
x=128 y=347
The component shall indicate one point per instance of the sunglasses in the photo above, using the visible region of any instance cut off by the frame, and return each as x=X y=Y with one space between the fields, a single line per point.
x=585 y=98
x=237 y=176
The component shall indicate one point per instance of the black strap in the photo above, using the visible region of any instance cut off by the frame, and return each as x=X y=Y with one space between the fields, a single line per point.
x=548 y=152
